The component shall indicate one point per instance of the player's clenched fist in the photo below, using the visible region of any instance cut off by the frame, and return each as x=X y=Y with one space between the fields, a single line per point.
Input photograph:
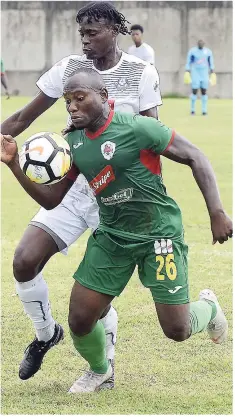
x=221 y=227
x=9 y=149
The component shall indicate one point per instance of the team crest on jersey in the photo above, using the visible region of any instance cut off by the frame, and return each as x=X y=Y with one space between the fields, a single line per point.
x=122 y=84
x=108 y=149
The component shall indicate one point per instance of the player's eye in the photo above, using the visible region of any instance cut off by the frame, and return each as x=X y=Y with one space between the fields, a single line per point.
x=67 y=101
x=80 y=98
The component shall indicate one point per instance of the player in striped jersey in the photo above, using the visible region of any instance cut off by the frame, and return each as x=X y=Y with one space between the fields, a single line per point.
x=134 y=85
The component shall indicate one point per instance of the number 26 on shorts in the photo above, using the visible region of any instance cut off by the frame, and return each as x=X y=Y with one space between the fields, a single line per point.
x=170 y=267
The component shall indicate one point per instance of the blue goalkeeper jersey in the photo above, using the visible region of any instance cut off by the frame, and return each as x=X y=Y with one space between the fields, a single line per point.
x=199 y=60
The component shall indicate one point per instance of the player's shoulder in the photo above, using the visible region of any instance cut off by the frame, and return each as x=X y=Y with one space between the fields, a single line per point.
x=148 y=47
x=72 y=60
x=123 y=118
x=138 y=66
x=207 y=51
x=134 y=60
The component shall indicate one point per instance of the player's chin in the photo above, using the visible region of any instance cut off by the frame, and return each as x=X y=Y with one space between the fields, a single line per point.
x=89 y=54
x=79 y=123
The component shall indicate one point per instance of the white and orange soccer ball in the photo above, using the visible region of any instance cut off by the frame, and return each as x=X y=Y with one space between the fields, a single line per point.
x=45 y=158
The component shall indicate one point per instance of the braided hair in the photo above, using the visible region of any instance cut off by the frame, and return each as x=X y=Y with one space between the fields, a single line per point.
x=99 y=9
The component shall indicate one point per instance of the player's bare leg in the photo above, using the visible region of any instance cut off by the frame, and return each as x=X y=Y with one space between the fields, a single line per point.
x=204 y=99
x=34 y=250
x=193 y=100
x=88 y=334
x=179 y=322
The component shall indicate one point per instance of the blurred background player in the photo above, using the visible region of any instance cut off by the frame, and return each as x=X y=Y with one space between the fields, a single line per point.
x=141 y=49
x=4 y=81
x=199 y=63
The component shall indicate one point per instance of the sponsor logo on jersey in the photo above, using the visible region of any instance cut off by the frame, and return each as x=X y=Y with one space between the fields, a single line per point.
x=119 y=197
x=108 y=149
x=175 y=289
x=122 y=84
x=102 y=179
x=163 y=246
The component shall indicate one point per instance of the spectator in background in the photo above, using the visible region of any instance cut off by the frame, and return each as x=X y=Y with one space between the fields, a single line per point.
x=4 y=79
x=141 y=49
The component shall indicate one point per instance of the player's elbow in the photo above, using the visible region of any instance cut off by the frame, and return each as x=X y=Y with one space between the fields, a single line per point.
x=197 y=159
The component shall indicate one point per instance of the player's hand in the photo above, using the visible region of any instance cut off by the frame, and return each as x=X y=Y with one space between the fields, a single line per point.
x=213 y=79
x=9 y=149
x=221 y=227
x=187 y=78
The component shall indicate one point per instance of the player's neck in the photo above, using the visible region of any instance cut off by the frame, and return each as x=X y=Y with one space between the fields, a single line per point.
x=108 y=61
x=138 y=44
x=100 y=121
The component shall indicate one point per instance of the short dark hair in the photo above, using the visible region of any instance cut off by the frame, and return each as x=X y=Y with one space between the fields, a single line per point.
x=137 y=27
x=99 y=9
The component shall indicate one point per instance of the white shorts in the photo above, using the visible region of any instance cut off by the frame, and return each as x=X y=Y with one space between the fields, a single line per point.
x=77 y=212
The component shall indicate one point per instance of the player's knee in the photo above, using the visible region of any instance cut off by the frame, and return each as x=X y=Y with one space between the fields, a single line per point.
x=203 y=91
x=24 y=264
x=80 y=323
x=194 y=90
x=177 y=332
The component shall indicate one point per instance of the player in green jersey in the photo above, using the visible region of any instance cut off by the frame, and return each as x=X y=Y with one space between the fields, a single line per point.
x=140 y=224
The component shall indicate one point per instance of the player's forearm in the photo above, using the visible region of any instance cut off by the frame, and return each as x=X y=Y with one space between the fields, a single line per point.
x=42 y=194
x=205 y=178
x=15 y=125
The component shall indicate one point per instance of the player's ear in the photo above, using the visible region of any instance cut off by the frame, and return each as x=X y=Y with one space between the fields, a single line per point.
x=104 y=94
x=116 y=29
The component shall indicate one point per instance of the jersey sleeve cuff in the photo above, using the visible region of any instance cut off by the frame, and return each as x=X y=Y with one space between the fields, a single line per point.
x=150 y=106
x=48 y=92
x=171 y=140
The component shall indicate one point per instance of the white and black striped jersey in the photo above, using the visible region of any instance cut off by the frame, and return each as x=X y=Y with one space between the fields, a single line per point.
x=133 y=84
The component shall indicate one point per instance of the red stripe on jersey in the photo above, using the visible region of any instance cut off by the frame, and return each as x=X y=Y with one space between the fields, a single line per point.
x=151 y=161
x=92 y=135
x=169 y=144
x=73 y=173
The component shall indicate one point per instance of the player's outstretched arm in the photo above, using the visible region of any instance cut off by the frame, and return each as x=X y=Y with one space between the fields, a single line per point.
x=48 y=196
x=184 y=152
x=23 y=118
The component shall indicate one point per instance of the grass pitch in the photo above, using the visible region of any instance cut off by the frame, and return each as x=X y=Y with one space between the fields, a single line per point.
x=153 y=374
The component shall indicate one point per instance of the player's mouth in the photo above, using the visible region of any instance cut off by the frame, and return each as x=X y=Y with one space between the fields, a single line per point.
x=88 y=52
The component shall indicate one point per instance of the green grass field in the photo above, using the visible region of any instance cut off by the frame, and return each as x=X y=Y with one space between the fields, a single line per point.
x=153 y=374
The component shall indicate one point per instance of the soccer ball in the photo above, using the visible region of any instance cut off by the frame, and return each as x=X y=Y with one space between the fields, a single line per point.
x=45 y=158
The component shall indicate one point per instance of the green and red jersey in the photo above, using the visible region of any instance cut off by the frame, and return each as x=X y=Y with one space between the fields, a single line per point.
x=121 y=162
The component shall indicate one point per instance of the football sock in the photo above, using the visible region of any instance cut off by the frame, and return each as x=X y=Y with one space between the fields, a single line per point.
x=92 y=348
x=204 y=99
x=201 y=312
x=34 y=297
x=110 y=323
x=193 y=102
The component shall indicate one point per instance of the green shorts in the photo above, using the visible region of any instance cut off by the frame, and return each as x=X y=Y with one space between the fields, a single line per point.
x=162 y=267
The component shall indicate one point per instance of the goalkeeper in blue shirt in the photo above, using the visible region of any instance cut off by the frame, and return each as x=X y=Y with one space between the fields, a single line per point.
x=200 y=64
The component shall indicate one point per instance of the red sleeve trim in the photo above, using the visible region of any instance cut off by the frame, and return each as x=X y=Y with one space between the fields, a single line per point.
x=171 y=140
x=73 y=173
